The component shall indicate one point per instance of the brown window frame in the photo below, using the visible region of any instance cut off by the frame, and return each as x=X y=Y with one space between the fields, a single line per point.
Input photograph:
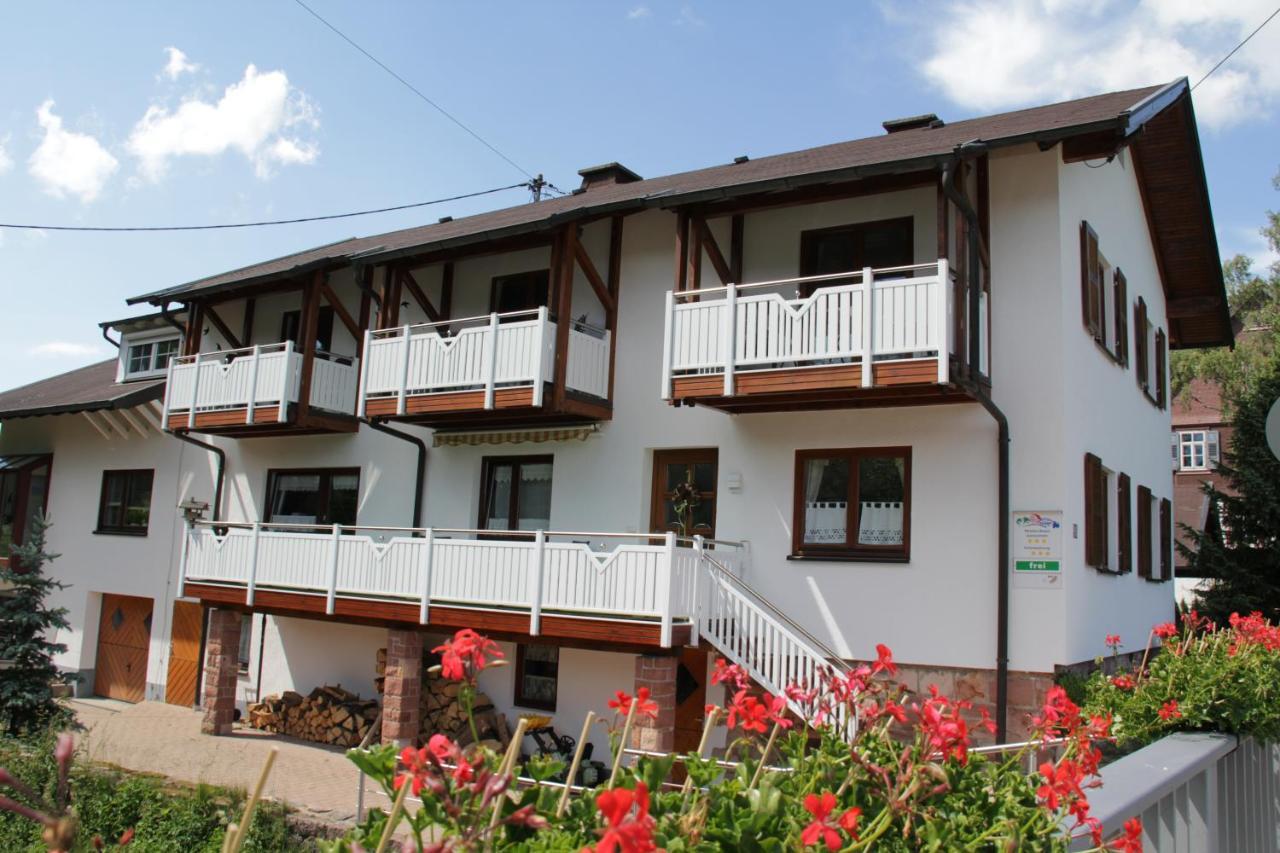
x=810 y=237
x=519 y=697
x=851 y=552
x=1166 y=540
x=1097 y=516
x=487 y=464
x=291 y=328
x=1142 y=367
x=498 y=281
x=124 y=529
x=1144 y=533
x=1124 y=523
x=326 y=481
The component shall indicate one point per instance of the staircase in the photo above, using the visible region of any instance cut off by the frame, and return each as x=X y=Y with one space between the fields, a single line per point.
x=772 y=648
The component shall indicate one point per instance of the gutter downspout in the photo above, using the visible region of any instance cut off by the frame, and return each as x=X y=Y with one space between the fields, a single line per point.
x=422 y=464
x=107 y=337
x=216 y=506
x=975 y=388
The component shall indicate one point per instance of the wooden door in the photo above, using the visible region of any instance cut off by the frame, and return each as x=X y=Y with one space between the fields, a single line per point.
x=124 y=633
x=674 y=469
x=691 y=698
x=184 y=654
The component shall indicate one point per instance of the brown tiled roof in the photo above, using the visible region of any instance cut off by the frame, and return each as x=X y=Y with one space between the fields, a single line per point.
x=1200 y=403
x=904 y=150
x=87 y=389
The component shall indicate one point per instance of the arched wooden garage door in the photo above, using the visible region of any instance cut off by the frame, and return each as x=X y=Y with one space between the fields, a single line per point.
x=124 y=633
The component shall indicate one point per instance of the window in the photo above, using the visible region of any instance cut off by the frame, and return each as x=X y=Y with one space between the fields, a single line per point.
x=1099 y=511
x=1145 y=532
x=125 y=507
x=524 y=291
x=1104 y=298
x=515 y=493
x=849 y=248
x=1196 y=450
x=853 y=503
x=24 y=491
x=290 y=323
x=1166 y=539
x=1150 y=351
x=537 y=674
x=319 y=496
x=246 y=641
x=148 y=358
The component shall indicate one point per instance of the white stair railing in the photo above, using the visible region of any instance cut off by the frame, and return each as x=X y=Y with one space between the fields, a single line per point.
x=774 y=650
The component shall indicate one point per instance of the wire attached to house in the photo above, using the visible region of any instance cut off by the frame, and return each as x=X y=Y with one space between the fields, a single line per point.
x=1224 y=59
x=416 y=90
x=263 y=222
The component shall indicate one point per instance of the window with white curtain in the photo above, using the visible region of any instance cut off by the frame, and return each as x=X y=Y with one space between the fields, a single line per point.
x=853 y=503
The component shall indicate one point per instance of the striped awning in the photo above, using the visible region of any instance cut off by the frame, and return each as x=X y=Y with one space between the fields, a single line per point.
x=517 y=436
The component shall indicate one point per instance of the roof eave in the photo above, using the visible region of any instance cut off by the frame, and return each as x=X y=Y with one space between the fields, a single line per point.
x=146 y=393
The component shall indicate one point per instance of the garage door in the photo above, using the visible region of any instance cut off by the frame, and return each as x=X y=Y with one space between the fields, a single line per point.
x=184 y=654
x=124 y=634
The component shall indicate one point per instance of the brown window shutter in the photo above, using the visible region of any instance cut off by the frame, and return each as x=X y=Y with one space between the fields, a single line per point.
x=1162 y=387
x=1095 y=512
x=1122 y=318
x=1144 y=532
x=1090 y=281
x=1140 y=343
x=1166 y=540
x=1124 y=524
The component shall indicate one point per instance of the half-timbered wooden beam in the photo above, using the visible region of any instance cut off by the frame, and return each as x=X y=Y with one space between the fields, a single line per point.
x=446 y=290
x=563 y=273
x=389 y=313
x=593 y=275
x=682 y=250
x=195 y=325
x=694 y=281
x=712 y=248
x=246 y=324
x=223 y=329
x=339 y=309
x=411 y=284
x=308 y=327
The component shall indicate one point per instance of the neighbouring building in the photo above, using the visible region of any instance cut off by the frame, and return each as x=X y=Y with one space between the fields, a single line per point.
x=1200 y=431
x=908 y=389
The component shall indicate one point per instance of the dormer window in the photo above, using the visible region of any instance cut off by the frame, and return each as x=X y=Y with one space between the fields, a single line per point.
x=145 y=357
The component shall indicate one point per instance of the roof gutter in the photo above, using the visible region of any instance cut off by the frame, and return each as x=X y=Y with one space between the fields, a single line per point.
x=963 y=152
x=421 y=475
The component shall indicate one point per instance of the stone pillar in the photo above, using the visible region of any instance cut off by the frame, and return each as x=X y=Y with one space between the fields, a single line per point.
x=221 y=665
x=402 y=689
x=658 y=673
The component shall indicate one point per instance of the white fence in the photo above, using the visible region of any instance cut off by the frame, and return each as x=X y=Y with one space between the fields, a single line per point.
x=1195 y=792
x=511 y=350
x=255 y=377
x=852 y=318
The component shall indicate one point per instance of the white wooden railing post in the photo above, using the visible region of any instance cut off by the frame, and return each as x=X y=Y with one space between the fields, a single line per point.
x=403 y=390
x=195 y=390
x=424 y=583
x=253 y=384
x=941 y=324
x=537 y=356
x=539 y=563
x=868 y=327
x=664 y=588
x=168 y=390
x=253 y=565
x=728 y=327
x=333 y=569
x=667 y=350
x=491 y=359
x=283 y=414
x=364 y=374
x=699 y=568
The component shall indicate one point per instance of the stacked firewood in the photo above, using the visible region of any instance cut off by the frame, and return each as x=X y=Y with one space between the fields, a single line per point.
x=328 y=714
x=441 y=712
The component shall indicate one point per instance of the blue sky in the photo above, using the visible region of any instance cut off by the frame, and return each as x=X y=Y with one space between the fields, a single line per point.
x=262 y=112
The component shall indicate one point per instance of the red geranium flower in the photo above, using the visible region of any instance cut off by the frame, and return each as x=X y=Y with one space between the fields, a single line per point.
x=1124 y=682
x=1131 y=841
x=944 y=727
x=753 y=714
x=625 y=832
x=1165 y=630
x=849 y=821
x=1169 y=710
x=466 y=654
x=777 y=707
x=820 y=828
x=644 y=707
x=730 y=672
x=415 y=763
x=884 y=660
x=1113 y=640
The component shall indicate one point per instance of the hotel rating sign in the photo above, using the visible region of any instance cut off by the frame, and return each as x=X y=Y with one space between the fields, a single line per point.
x=1037 y=549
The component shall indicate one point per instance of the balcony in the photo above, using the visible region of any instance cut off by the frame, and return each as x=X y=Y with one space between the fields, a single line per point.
x=873 y=337
x=487 y=370
x=259 y=391
x=633 y=589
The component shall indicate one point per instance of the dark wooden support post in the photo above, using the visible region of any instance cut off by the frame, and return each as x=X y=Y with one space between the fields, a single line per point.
x=737 y=228
x=563 y=273
x=615 y=284
x=223 y=329
x=446 y=291
x=389 y=316
x=195 y=325
x=708 y=241
x=246 y=325
x=308 y=326
x=411 y=284
x=694 y=281
x=593 y=277
x=339 y=309
x=682 y=250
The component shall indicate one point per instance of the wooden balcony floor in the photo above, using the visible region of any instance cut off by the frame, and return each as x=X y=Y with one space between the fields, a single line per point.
x=266 y=422
x=511 y=407
x=617 y=634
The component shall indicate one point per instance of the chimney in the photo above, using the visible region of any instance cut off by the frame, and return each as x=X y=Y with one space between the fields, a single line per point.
x=894 y=125
x=606 y=174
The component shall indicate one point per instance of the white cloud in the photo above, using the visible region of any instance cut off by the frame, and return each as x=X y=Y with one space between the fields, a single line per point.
x=178 y=64
x=639 y=12
x=65 y=349
x=261 y=116
x=69 y=163
x=689 y=18
x=6 y=162
x=994 y=54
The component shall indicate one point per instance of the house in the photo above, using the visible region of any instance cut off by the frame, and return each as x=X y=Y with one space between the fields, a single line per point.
x=1200 y=431
x=909 y=389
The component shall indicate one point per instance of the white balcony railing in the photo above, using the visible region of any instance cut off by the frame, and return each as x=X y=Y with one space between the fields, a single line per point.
x=599 y=575
x=898 y=313
x=511 y=350
x=254 y=377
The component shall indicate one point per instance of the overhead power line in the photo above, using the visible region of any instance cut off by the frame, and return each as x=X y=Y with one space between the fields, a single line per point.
x=260 y=223
x=416 y=90
x=1224 y=59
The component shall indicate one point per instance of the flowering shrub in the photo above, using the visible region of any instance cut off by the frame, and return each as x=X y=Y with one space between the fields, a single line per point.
x=1205 y=678
x=907 y=780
